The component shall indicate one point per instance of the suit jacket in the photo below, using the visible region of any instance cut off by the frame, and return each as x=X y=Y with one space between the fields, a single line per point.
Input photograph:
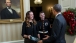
x=6 y=14
x=58 y=30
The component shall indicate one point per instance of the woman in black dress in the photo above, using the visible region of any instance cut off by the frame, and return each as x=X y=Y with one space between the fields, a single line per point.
x=29 y=28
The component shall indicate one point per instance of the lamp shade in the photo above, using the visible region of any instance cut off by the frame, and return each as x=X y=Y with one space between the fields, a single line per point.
x=37 y=1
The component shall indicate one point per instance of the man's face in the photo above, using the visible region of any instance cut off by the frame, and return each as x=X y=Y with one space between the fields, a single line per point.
x=42 y=16
x=8 y=3
x=53 y=11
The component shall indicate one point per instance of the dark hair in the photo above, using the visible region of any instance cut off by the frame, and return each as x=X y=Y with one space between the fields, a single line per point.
x=27 y=14
x=41 y=12
x=57 y=7
x=5 y=1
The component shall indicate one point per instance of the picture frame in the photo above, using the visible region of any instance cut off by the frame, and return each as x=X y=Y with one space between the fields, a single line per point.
x=16 y=5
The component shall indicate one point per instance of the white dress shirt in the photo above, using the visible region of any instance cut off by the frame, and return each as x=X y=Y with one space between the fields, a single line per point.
x=57 y=14
x=10 y=10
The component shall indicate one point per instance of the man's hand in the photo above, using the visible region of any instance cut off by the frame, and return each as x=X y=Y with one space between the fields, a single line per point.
x=50 y=26
x=40 y=41
x=39 y=36
x=46 y=37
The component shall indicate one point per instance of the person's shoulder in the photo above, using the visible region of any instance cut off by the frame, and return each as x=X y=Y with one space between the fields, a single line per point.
x=59 y=19
x=59 y=16
x=3 y=9
x=13 y=9
x=24 y=22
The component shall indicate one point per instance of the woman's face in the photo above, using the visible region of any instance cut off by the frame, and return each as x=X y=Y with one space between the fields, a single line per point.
x=31 y=15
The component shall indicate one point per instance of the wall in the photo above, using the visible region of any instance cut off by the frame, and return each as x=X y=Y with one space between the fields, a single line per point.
x=12 y=32
x=45 y=5
x=67 y=4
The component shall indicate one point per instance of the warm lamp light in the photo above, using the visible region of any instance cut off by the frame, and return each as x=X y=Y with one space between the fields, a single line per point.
x=50 y=8
x=38 y=1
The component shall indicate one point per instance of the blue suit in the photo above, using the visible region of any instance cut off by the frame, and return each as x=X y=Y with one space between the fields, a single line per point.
x=58 y=30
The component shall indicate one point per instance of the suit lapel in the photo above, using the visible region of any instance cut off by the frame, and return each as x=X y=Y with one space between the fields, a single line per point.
x=8 y=11
x=58 y=15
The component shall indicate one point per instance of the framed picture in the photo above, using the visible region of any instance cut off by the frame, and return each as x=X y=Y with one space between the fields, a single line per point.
x=11 y=11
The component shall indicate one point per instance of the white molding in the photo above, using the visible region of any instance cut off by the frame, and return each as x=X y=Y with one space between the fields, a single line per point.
x=17 y=41
x=75 y=2
x=26 y=6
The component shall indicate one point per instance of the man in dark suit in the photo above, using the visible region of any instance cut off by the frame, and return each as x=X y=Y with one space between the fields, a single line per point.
x=8 y=12
x=58 y=29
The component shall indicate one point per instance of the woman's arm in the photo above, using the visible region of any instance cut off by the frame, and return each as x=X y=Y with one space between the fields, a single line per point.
x=24 y=30
x=25 y=36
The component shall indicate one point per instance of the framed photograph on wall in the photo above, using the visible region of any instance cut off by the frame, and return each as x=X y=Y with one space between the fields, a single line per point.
x=11 y=11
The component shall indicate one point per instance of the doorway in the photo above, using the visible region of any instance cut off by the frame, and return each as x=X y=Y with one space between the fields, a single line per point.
x=36 y=11
x=37 y=8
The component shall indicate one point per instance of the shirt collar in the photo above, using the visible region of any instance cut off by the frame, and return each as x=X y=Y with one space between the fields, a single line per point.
x=8 y=8
x=57 y=14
